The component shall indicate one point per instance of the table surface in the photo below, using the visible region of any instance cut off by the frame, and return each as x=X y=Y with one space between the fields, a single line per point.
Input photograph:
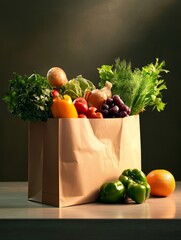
x=15 y=205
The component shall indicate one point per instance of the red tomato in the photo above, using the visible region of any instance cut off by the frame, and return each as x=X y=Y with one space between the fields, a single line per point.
x=82 y=115
x=81 y=105
x=92 y=113
x=55 y=93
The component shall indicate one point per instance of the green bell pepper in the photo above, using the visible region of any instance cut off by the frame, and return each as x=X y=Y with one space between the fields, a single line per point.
x=136 y=184
x=112 y=192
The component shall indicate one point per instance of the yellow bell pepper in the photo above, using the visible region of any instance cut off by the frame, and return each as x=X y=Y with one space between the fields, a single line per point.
x=63 y=107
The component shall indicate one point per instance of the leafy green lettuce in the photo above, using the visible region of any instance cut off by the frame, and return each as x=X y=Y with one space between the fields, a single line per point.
x=76 y=87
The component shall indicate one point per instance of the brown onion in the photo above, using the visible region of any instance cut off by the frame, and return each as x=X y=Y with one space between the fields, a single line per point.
x=57 y=77
x=95 y=98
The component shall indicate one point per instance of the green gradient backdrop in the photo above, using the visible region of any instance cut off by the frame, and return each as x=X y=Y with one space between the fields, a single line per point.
x=79 y=36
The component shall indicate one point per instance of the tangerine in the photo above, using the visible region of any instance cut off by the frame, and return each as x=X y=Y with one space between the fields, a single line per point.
x=162 y=182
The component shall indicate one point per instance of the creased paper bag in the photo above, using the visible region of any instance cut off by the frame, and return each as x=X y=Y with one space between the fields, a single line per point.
x=69 y=159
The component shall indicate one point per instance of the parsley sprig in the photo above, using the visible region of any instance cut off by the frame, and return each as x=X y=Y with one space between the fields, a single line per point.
x=29 y=97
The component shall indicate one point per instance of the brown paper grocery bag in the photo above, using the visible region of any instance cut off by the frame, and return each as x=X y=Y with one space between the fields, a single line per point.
x=69 y=159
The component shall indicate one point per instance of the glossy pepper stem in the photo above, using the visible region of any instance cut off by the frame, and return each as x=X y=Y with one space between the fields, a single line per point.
x=136 y=184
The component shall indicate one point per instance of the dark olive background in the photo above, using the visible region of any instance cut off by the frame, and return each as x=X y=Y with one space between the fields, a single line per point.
x=79 y=36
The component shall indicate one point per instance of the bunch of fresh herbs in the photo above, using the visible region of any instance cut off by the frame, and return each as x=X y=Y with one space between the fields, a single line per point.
x=29 y=97
x=139 y=88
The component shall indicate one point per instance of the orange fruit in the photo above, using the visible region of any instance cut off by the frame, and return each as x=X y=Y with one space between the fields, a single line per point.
x=162 y=182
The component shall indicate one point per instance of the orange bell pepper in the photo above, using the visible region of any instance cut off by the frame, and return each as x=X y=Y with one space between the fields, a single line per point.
x=63 y=107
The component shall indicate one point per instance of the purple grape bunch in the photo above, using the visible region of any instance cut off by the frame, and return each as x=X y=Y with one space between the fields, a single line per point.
x=115 y=108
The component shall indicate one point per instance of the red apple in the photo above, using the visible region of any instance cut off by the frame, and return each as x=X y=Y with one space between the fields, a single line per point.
x=80 y=105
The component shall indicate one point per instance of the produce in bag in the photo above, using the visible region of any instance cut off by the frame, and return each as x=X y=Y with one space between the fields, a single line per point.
x=138 y=88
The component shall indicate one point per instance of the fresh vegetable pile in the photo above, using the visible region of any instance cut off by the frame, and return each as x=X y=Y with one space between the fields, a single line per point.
x=139 y=88
x=132 y=184
x=121 y=92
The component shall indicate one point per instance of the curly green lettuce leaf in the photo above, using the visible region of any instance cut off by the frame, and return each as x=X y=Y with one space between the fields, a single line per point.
x=76 y=87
